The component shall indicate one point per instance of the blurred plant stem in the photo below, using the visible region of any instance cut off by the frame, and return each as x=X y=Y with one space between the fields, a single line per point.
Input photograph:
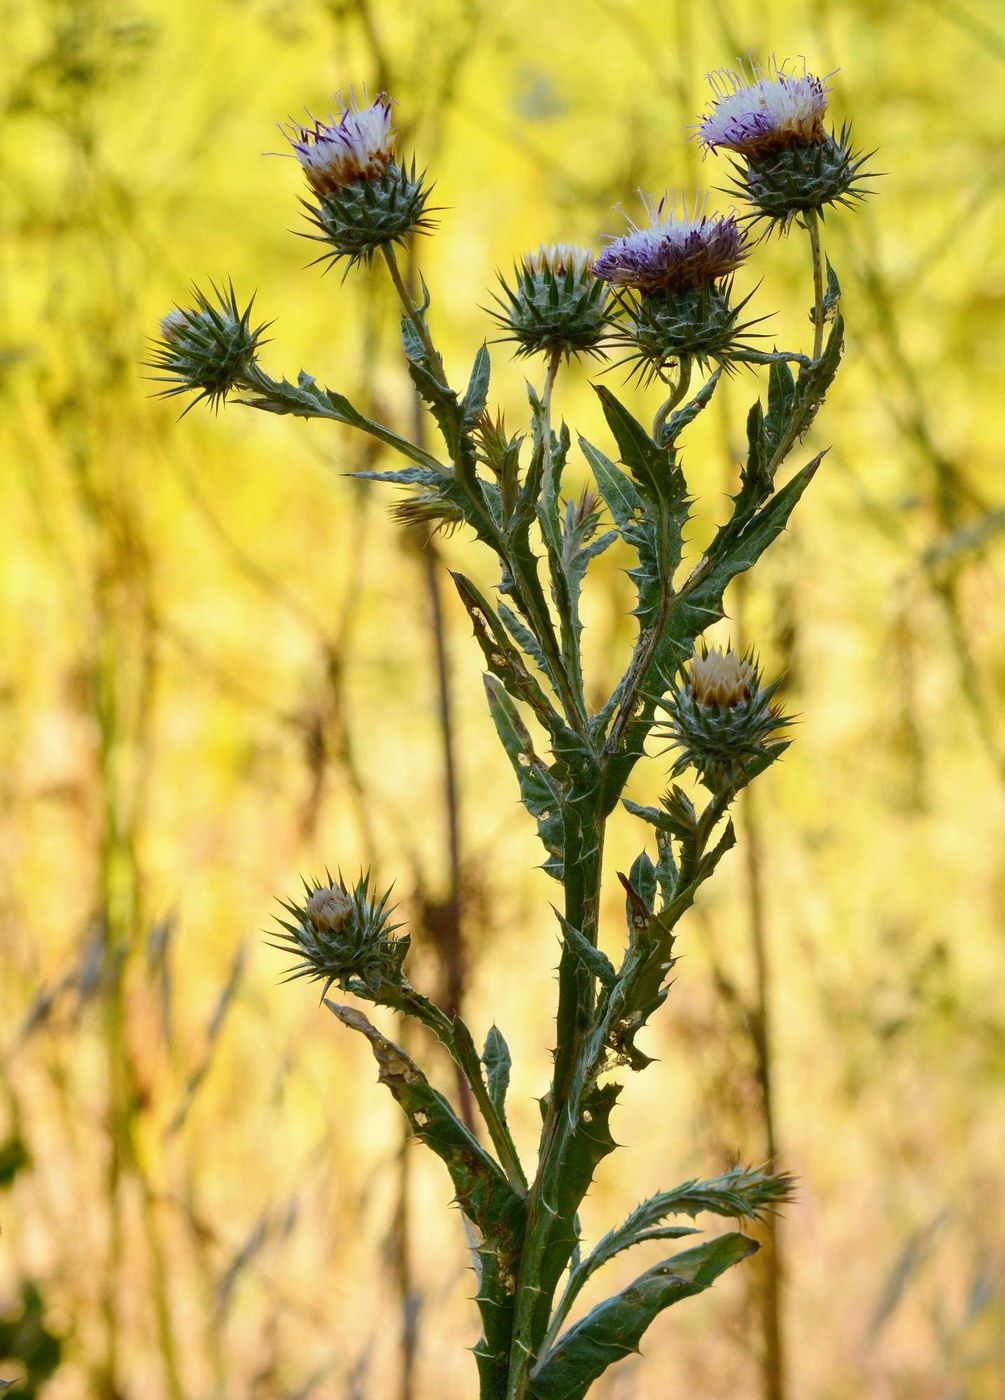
x=768 y=1269
x=770 y=1265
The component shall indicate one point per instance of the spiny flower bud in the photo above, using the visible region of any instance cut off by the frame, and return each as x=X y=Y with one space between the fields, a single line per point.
x=343 y=937
x=209 y=349
x=722 y=721
x=773 y=120
x=673 y=281
x=365 y=198
x=555 y=305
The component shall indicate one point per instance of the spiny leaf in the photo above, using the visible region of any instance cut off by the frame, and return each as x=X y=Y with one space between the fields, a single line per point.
x=569 y=1178
x=618 y=490
x=538 y=790
x=482 y=1191
x=497 y=1061
x=306 y=399
x=615 y=1327
x=501 y=657
x=595 y=960
x=653 y=465
x=473 y=404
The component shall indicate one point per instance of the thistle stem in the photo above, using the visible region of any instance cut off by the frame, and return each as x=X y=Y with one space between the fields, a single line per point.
x=583 y=874
x=678 y=392
x=412 y=311
x=554 y=360
x=812 y=220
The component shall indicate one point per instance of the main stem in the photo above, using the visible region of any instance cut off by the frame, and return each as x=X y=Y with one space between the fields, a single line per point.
x=583 y=874
x=813 y=229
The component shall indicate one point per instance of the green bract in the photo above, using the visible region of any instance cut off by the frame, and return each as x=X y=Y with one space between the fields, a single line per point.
x=555 y=306
x=357 y=219
x=698 y=322
x=210 y=348
x=790 y=180
x=724 y=738
x=356 y=947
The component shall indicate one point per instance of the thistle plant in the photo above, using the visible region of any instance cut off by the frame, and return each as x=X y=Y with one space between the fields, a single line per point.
x=662 y=295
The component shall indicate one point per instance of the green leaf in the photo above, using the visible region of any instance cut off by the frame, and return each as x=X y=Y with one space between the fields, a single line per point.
x=473 y=404
x=653 y=465
x=741 y=1194
x=406 y=476
x=497 y=1061
x=306 y=399
x=679 y=420
x=694 y=608
x=593 y=959
x=482 y=1191
x=643 y=880
x=653 y=815
x=618 y=490
x=811 y=387
x=502 y=658
x=539 y=792
x=524 y=638
x=615 y=1327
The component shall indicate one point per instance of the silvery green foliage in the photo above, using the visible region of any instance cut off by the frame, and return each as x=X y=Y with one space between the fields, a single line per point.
x=507 y=491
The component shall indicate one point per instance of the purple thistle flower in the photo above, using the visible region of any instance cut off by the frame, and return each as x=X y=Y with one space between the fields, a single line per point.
x=763 y=110
x=679 y=251
x=356 y=145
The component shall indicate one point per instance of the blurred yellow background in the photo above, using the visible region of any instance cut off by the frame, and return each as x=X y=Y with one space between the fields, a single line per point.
x=218 y=670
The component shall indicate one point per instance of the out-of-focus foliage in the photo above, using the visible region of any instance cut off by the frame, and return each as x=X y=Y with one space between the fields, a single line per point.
x=218 y=670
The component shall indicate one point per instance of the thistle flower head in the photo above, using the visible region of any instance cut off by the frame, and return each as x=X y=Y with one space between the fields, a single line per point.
x=758 y=108
x=672 y=281
x=343 y=936
x=680 y=248
x=772 y=119
x=357 y=144
x=555 y=304
x=209 y=348
x=722 y=721
x=365 y=198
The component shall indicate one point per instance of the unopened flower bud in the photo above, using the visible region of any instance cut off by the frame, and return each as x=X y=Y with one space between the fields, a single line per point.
x=174 y=325
x=209 y=348
x=721 y=679
x=721 y=720
x=345 y=937
x=773 y=120
x=364 y=198
x=328 y=909
x=673 y=280
x=555 y=304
